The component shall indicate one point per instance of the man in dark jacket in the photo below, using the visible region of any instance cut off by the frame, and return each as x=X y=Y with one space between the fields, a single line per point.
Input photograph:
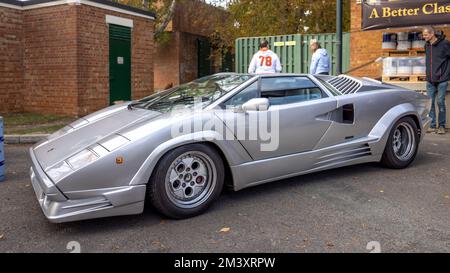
x=437 y=50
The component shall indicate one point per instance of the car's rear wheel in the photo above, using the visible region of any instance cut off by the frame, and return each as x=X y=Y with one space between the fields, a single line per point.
x=186 y=181
x=403 y=143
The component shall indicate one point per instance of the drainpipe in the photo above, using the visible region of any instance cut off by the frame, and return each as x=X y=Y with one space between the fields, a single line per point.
x=339 y=36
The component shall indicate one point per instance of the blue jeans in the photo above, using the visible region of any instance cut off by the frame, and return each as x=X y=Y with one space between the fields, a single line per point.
x=440 y=90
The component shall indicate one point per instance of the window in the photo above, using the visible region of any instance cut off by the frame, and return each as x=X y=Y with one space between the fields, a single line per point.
x=286 y=90
x=242 y=97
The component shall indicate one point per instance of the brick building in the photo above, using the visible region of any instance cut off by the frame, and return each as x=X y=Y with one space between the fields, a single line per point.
x=73 y=57
x=186 y=53
x=366 y=46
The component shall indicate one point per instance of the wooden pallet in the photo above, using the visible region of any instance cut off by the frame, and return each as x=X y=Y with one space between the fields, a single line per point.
x=404 y=53
x=412 y=78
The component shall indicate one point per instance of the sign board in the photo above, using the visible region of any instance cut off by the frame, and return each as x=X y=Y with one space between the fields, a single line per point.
x=382 y=14
x=288 y=43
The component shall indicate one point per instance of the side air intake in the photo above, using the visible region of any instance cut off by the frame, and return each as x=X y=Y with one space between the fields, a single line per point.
x=344 y=155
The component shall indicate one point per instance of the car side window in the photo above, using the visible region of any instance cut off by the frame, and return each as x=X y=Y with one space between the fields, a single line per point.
x=286 y=90
x=242 y=97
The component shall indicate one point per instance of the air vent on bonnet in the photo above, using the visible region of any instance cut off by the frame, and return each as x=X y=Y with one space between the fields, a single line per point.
x=345 y=84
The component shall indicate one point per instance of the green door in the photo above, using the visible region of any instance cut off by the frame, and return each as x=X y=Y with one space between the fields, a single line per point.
x=204 y=57
x=119 y=63
x=227 y=62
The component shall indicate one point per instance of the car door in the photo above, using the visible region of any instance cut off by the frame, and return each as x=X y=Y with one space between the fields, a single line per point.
x=294 y=122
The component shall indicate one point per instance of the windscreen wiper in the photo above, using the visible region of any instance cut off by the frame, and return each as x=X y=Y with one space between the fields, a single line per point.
x=132 y=105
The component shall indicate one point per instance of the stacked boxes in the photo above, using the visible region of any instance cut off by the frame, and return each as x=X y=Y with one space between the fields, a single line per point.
x=404 y=66
x=403 y=41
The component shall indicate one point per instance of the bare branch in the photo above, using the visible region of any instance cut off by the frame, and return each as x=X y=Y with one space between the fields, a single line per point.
x=168 y=17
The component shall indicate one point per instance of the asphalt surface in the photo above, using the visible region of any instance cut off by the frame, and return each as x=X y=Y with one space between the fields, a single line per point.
x=334 y=211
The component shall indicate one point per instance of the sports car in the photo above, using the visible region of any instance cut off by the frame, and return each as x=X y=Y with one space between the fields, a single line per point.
x=177 y=149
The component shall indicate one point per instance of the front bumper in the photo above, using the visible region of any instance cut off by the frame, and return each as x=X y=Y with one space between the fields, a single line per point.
x=88 y=204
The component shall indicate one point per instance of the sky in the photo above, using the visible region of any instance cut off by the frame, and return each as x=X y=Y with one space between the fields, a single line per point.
x=223 y=4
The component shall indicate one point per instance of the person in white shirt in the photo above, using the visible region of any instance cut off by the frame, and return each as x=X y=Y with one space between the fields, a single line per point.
x=265 y=61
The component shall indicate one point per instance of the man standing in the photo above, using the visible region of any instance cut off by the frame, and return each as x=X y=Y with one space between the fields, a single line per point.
x=437 y=50
x=265 y=61
x=320 y=62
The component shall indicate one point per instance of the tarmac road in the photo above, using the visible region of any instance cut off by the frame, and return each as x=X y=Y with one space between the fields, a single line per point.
x=334 y=211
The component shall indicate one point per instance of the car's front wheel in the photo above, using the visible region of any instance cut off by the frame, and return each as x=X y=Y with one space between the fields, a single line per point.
x=186 y=181
x=402 y=145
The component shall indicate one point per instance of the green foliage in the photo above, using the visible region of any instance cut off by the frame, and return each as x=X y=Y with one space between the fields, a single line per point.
x=160 y=7
x=163 y=39
x=250 y=18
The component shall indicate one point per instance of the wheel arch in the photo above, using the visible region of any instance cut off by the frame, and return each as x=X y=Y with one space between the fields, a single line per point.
x=418 y=124
x=384 y=126
x=231 y=153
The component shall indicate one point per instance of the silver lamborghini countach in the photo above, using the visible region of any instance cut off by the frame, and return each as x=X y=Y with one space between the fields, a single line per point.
x=178 y=148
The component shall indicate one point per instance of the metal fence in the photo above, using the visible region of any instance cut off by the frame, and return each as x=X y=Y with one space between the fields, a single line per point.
x=293 y=51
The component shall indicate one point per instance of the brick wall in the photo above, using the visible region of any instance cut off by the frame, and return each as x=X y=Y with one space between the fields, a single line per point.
x=143 y=55
x=189 y=57
x=11 y=72
x=167 y=66
x=56 y=59
x=50 y=60
x=93 y=62
x=366 y=46
x=93 y=58
x=176 y=61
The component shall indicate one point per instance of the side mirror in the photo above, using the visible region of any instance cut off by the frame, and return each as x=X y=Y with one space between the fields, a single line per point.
x=259 y=104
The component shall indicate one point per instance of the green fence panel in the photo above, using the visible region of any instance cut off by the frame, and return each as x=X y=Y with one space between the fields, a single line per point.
x=293 y=51
x=287 y=47
x=346 y=53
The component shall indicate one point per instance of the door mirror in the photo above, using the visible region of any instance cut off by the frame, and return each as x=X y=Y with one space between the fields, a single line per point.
x=259 y=104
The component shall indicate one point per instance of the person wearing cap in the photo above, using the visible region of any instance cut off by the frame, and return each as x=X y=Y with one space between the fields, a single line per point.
x=437 y=51
x=265 y=61
x=320 y=61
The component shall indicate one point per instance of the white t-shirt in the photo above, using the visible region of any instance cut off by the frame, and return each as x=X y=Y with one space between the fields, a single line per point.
x=265 y=62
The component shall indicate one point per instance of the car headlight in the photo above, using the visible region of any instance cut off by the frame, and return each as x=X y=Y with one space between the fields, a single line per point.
x=58 y=172
x=76 y=162
x=82 y=159
x=85 y=157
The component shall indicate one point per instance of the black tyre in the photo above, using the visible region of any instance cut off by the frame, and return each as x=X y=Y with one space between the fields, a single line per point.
x=402 y=145
x=186 y=181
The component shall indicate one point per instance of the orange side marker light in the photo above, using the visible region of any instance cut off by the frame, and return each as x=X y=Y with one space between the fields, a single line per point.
x=119 y=160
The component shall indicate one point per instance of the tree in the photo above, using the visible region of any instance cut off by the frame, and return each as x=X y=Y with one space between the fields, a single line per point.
x=165 y=10
x=250 y=18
